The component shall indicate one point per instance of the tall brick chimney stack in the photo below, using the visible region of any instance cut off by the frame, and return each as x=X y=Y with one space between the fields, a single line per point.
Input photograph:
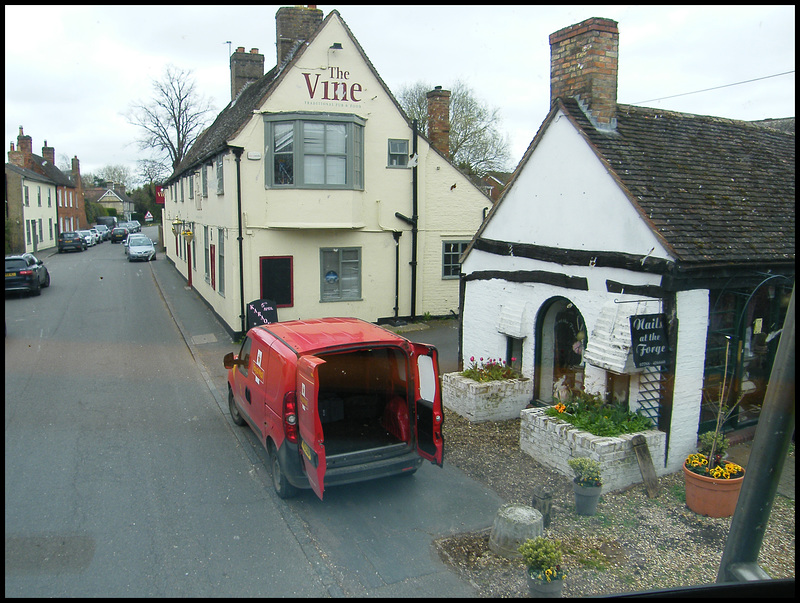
x=25 y=148
x=49 y=153
x=439 y=119
x=294 y=24
x=583 y=65
x=245 y=68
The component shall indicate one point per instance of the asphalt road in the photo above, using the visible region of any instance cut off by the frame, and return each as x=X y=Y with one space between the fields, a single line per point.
x=125 y=477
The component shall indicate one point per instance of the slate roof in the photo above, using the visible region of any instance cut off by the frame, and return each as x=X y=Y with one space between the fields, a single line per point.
x=718 y=191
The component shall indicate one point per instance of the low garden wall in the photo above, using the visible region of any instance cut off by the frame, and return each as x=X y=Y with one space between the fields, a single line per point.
x=485 y=400
x=553 y=442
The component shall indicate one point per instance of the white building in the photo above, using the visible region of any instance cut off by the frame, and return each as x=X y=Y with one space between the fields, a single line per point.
x=311 y=189
x=683 y=222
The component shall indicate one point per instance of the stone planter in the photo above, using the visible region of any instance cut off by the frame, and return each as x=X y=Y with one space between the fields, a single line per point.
x=711 y=497
x=541 y=589
x=486 y=400
x=553 y=442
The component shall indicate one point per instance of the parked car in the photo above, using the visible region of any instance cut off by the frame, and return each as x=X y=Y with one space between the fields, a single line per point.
x=141 y=248
x=104 y=231
x=70 y=240
x=98 y=238
x=136 y=225
x=26 y=273
x=336 y=401
x=109 y=222
x=88 y=237
x=119 y=234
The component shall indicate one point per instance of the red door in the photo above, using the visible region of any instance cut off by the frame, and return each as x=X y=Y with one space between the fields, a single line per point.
x=428 y=401
x=213 y=272
x=312 y=444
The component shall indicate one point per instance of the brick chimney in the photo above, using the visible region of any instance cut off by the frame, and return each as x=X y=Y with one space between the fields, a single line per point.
x=245 y=68
x=49 y=153
x=294 y=24
x=25 y=149
x=439 y=119
x=583 y=65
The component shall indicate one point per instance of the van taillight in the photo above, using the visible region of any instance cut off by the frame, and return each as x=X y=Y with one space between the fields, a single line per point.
x=290 y=417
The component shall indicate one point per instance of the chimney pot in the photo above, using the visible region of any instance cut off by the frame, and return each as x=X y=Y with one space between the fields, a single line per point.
x=294 y=24
x=245 y=68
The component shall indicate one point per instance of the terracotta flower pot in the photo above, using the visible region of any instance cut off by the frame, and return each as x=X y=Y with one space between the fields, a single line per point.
x=710 y=496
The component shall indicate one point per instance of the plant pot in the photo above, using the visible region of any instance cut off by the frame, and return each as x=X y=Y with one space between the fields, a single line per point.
x=586 y=498
x=541 y=589
x=711 y=497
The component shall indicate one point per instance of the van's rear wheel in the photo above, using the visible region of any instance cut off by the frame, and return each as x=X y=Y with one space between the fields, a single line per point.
x=279 y=481
x=235 y=416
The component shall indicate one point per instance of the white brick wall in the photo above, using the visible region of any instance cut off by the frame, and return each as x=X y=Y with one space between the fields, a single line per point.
x=485 y=401
x=552 y=443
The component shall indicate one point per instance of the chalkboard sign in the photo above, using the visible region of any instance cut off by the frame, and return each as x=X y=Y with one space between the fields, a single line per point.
x=261 y=312
x=649 y=340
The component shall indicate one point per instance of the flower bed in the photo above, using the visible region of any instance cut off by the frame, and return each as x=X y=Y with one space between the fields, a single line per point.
x=553 y=442
x=488 y=400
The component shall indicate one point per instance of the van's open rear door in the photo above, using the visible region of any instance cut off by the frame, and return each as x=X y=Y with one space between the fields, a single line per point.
x=312 y=444
x=428 y=400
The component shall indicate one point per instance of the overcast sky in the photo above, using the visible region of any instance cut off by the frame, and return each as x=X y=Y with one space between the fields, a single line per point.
x=72 y=71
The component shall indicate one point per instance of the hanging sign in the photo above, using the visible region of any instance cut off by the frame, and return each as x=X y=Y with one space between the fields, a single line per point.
x=649 y=340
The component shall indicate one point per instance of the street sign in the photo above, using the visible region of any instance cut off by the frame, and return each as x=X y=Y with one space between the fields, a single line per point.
x=148 y=217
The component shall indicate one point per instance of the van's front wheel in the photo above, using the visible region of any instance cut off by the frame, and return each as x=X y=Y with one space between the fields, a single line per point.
x=235 y=416
x=279 y=481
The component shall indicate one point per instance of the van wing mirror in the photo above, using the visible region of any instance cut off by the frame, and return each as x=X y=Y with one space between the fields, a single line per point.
x=230 y=360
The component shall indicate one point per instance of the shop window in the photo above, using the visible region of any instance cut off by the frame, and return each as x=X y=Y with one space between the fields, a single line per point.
x=340 y=274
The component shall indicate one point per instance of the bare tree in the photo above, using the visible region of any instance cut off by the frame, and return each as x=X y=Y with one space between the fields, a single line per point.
x=173 y=119
x=476 y=144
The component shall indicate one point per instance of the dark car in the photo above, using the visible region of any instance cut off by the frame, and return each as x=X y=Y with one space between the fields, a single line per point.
x=26 y=273
x=119 y=234
x=70 y=240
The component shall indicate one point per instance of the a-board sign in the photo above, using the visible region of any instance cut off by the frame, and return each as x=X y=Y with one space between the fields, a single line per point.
x=649 y=340
x=261 y=312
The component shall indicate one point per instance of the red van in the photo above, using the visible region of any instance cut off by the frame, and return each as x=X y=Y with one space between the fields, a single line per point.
x=336 y=401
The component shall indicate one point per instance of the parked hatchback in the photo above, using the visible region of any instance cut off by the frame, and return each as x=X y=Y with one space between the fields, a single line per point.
x=26 y=273
x=70 y=240
x=105 y=233
x=88 y=237
x=119 y=234
x=140 y=247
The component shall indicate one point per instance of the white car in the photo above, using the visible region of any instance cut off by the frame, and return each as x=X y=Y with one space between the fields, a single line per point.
x=98 y=238
x=88 y=237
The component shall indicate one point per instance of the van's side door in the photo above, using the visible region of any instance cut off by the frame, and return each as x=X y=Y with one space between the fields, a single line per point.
x=312 y=444
x=428 y=414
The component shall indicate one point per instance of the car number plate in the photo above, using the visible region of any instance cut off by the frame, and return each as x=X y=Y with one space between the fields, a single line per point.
x=11 y=274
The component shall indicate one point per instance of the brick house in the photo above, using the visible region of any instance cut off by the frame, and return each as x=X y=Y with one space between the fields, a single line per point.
x=112 y=196
x=312 y=189
x=69 y=196
x=631 y=245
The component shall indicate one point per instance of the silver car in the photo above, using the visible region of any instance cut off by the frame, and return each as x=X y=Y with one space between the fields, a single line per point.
x=141 y=248
x=88 y=236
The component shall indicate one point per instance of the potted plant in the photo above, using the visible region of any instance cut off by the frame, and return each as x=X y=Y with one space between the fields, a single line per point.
x=712 y=484
x=587 y=484
x=544 y=573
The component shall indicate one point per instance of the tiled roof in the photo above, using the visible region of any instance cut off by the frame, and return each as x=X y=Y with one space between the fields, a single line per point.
x=718 y=191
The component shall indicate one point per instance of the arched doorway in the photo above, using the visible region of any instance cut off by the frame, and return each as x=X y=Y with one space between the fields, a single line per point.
x=560 y=342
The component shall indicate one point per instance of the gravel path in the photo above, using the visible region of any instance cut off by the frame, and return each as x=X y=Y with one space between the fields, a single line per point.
x=633 y=543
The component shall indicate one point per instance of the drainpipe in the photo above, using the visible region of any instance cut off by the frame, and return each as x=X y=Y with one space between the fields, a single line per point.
x=414 y=229
x=237 y=151
x=396 y=234
x=412 y=221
